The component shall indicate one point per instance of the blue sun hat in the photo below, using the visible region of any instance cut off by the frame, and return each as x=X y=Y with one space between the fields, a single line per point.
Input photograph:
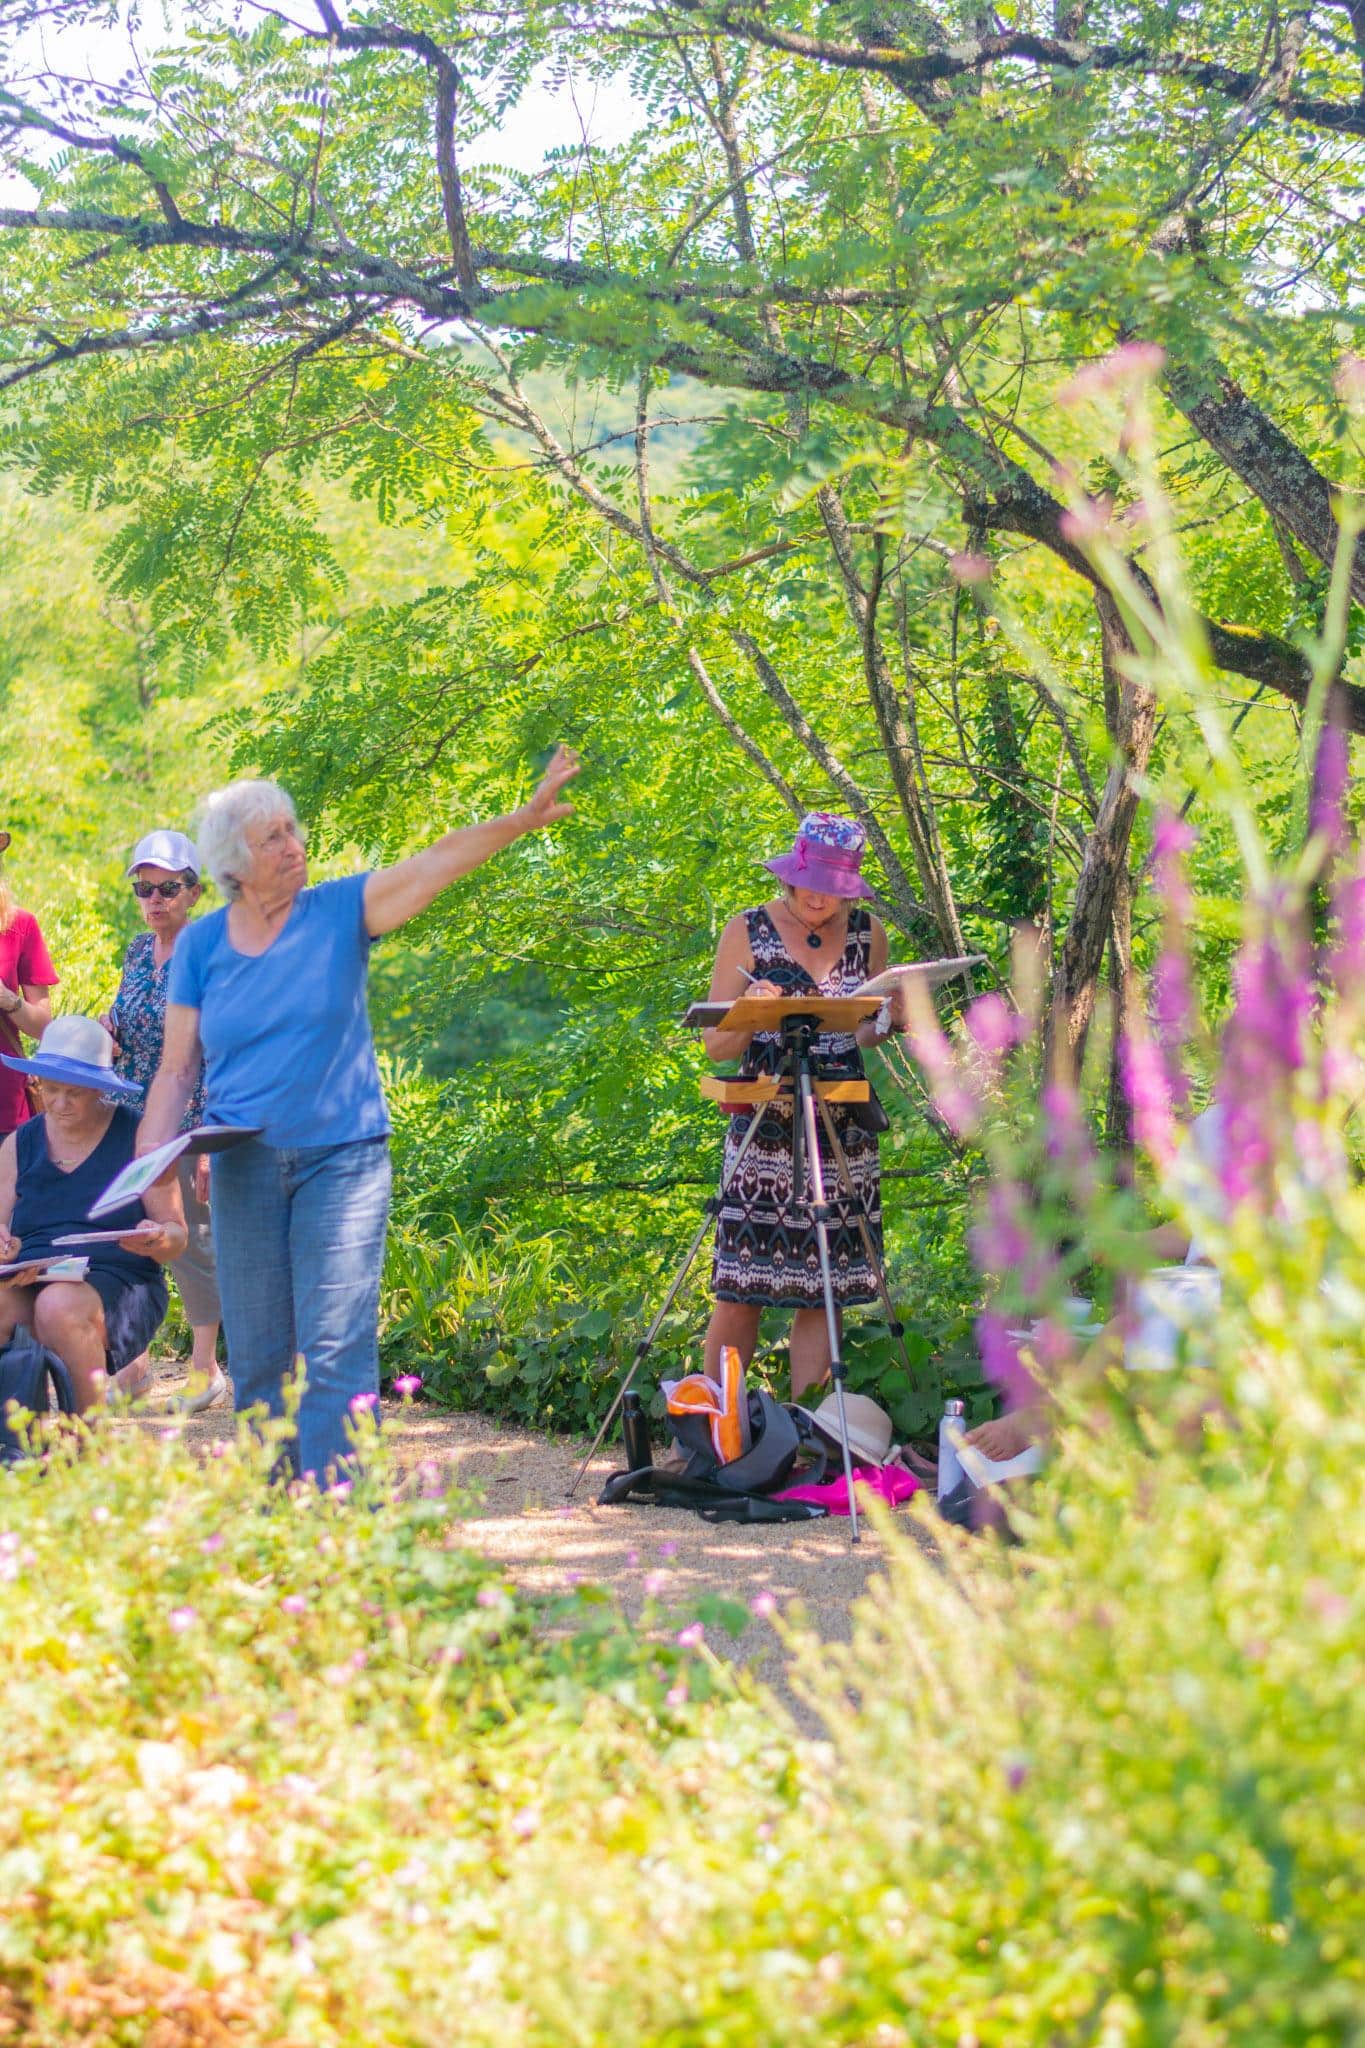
x=78 y=1052
x=826 y=856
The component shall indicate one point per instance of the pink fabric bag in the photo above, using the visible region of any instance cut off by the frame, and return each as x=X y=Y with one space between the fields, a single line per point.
x=891 y=1483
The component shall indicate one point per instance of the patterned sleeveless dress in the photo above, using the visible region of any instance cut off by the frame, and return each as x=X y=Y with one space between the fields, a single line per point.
x=765 y=1242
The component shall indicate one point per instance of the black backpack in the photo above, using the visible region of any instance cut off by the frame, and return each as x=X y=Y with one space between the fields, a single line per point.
x=29 y=1372
x=739 y=1491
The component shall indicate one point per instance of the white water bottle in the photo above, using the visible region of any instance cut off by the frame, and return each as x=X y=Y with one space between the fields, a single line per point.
x=950 y=1473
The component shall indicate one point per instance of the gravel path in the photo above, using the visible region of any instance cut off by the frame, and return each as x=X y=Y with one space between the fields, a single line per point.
x=545 y=1543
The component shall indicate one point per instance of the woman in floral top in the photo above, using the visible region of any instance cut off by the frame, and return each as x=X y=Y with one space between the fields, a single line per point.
x=164 y=872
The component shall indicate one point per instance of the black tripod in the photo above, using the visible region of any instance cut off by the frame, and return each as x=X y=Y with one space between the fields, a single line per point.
x=797 y=1067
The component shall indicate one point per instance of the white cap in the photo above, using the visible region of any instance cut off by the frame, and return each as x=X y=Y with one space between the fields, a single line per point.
x=169 y=850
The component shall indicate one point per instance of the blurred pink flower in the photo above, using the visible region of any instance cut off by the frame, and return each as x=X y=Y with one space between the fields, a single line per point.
x=181 y=1618
x=490 y=1596
x=1088 y=519
x=951 y=1092
x=1066 y=1137
x=212 y=1544
x=1001 y=1363
x=1263 y=1048
x=1133 y=362
x=1331 y=780
x=691 y=1637
x=677 y=1697
x=1326 y=1601
x=409 y=1384
x=655 y=1583
x=359 y=1403
x=969 y=568
x=994 y=1027
x=525 y=1821
x=1350 y=380
x=1148 y=1089
x=668 y=1550
x=294 y=1603
x=764 y=1604
x=1172 y=1000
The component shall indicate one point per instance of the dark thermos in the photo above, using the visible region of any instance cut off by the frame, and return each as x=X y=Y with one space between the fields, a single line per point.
x=635 y=1434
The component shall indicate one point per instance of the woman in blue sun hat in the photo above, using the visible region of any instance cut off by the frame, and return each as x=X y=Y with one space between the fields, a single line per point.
x=817 y=936
x=52 y=1170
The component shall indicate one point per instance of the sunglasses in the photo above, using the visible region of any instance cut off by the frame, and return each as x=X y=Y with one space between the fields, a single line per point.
x=142 y=890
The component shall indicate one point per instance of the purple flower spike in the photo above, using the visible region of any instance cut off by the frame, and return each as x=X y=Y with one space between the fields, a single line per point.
x=952 y=1097
x=1004 y=1242
x=1263 y=1050
x=1172 y=1000
x=994 y=1027
x=1001 y=1362
x=1066 y=1138
x=1331 y=780
x=1148 y=1090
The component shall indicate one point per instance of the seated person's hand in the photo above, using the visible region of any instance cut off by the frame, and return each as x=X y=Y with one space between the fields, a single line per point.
x=1004 y=1438
x=154 y=1240
x=762 y=988
x=9 y=1247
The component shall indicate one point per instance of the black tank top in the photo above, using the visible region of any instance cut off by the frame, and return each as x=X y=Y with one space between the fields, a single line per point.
x=53 y=1204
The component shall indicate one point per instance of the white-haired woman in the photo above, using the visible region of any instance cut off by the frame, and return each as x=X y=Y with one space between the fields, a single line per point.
x=270 y=992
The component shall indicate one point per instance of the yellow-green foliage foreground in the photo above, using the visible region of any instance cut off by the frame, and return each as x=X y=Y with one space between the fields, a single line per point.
x=286 y=1772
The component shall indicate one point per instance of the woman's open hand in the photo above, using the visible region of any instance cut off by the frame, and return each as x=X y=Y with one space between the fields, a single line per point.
x=545 y=807
x=10 y=1247
x=151 y=1240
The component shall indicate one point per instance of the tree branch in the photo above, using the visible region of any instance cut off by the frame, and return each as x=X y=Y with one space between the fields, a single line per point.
x=910 y=72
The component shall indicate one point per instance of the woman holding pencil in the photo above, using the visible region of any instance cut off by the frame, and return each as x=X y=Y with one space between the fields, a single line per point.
x=815 y=937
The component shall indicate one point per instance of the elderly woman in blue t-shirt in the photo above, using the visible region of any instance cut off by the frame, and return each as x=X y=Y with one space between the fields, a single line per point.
x=270 y=992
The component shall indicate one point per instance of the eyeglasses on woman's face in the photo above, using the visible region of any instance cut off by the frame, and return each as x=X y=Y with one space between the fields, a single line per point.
x=167 y=890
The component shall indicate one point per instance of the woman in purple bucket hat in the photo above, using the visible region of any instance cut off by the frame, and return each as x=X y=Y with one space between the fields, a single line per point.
x=814 y=936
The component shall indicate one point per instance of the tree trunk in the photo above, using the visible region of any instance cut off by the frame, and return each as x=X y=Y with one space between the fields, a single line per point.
x=1104 y=864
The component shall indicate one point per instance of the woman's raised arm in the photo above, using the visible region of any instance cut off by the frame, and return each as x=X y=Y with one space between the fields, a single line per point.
x=393 y=895
x=169 y=1095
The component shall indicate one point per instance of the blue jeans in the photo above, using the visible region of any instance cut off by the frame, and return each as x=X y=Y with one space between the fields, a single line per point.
x=299 y=1237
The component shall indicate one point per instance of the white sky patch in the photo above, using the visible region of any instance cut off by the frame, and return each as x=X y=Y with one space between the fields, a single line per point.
x=551 y=115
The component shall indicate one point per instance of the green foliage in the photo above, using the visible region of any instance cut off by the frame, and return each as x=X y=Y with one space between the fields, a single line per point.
x=1103 y=1783
x=250 y=1732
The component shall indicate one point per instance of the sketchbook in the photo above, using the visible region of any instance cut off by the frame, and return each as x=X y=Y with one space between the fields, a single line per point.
x=928 y=973
x=141 y=1174
x=47 y=1268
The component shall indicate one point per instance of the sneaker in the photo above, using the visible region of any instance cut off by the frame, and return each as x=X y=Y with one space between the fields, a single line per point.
x=196 y=1399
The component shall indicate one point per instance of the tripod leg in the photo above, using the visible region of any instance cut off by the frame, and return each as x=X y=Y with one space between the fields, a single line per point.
x=646 y=1343
x=819 y=1210
x=865 y=1232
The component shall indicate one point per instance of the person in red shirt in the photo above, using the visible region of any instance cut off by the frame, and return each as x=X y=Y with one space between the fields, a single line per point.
x=26 y=975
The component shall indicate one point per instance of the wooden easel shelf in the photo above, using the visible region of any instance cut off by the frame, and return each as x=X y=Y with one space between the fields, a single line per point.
x=748 y=1094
